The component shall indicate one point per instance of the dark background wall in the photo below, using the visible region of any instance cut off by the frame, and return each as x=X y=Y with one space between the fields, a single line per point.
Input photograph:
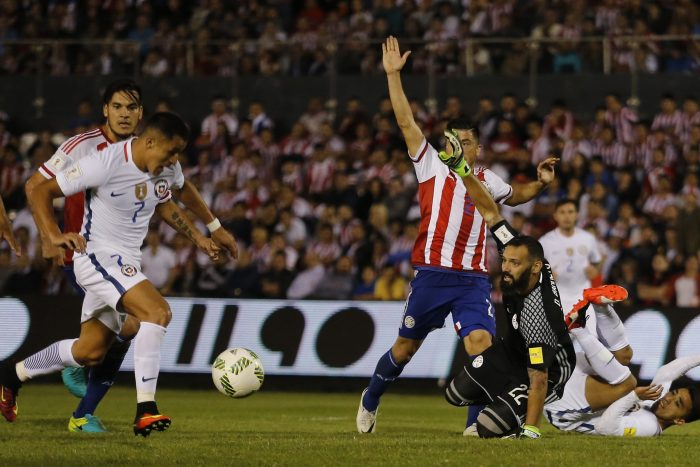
x=285 y=97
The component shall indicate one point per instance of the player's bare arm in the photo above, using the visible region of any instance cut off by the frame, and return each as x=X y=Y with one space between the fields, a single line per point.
x=6 y=230
x=40 y=199
x=48 y=251
x=190 y=197
x=536 y=396
x=178 y=220
x=524 y=192
x=393 y=62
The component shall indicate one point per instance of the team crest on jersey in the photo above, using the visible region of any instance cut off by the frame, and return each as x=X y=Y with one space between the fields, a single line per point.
x=128 y=270
x=141 y=190
x=570 y=252
x=478 y=361
x=161 y=188
x=409 y=322
x=515 y=321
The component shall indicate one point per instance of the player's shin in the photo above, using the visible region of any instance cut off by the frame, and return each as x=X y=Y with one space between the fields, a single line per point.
x=53 y=358
x=387 y=370
x=102 y=377
x=601 y=359
x=609 y=327
x=147 y=360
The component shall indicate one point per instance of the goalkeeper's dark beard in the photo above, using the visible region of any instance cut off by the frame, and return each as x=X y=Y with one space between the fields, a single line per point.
x=516 y=286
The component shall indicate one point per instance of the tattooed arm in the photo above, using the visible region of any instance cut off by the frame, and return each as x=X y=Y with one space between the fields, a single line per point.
x=178 y=220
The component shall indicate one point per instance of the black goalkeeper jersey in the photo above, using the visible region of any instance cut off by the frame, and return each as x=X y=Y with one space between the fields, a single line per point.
x=536 y=331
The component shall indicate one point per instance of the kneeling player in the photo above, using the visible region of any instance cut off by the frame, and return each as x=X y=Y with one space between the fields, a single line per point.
x=529 y=367
x=601 y=398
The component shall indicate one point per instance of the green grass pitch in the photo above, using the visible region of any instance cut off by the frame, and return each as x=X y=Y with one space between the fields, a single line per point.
x=279 y=428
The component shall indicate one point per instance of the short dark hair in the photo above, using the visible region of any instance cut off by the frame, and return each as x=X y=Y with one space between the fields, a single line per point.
x=127 y=86
x=534 y=248
x=168 y=124
x=694 y=391
x=564 y=202
x=463 y=123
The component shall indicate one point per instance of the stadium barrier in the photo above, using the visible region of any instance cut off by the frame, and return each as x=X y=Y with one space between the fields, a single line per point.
x=316 y=338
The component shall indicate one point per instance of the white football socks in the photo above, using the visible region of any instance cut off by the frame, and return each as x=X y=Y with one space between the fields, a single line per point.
x=53 y=358
x=609 y=327
x=147 y=360
x=601 y=359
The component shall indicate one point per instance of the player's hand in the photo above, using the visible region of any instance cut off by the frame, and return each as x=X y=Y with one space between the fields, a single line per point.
x=7 y=235
x=649 y=393
x=391 y=57
x=545 y=170
x=52 y=253
x=225 y=240
x=69 y=240
x=455 y=161
x=208 y=246
x=530 y=432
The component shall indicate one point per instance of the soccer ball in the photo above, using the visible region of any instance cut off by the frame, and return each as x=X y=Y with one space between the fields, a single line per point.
x=237 y=372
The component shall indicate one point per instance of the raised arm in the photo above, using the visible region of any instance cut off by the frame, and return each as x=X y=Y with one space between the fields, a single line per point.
x=190 y=197
x=393 y=63
x=524 y=192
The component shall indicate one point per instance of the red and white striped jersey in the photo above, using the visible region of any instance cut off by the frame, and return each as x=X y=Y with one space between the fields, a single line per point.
x=74 y=149
x=623 y=123
x=614 y=154
x=673 y=120
x=687 y=122
x=319 y=176
x=452 y=232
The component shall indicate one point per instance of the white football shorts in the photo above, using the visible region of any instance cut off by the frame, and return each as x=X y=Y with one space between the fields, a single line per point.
x=105 y=276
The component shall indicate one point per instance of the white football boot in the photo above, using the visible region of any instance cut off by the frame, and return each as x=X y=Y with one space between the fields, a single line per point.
x=471 y=431
x=366 y=420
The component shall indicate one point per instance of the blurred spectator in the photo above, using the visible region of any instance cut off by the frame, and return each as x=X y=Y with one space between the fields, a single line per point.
x=218 y=115
x=275 y=282
x=685 y=288
x=338 y=283
x=389 y=285
x=158 y=262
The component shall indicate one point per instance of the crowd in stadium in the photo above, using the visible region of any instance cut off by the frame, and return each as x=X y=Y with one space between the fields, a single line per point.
x=328 y=209
x=295 y=37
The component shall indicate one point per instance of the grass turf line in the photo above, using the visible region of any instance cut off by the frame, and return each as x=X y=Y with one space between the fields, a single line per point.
x=277 y=428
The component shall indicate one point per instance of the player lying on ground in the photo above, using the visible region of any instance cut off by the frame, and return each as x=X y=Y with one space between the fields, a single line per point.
x=449 y=254
x=123 y=110
x=601 y=398
x=124 y=187
x=6 y=230
x=529 y=367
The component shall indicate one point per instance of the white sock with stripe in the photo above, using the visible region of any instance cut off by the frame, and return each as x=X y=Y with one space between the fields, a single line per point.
x=53 y=358
x=601 y=359
x=147 y=345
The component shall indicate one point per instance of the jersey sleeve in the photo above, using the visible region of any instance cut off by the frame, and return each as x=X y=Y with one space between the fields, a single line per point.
x=178 y=177
x=499 y=189
x=426 y=162
x=59 y=161
x=673 y=370
x=89 y=172
x=616 y=421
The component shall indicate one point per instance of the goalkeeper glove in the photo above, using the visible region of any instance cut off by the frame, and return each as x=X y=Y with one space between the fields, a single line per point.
x=455 y=161
x=530 y=431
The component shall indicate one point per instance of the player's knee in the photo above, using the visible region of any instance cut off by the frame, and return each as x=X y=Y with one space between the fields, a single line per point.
x=496 y=421
x=160 y=315
x=88 y=357
x=403 y=351
x=129 y=329
x=477 y=341
x=624 y=355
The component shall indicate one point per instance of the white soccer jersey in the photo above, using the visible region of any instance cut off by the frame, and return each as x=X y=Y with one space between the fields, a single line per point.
x=452 y=232
x=119 y=198
x=628 y=416
x=569 y=258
